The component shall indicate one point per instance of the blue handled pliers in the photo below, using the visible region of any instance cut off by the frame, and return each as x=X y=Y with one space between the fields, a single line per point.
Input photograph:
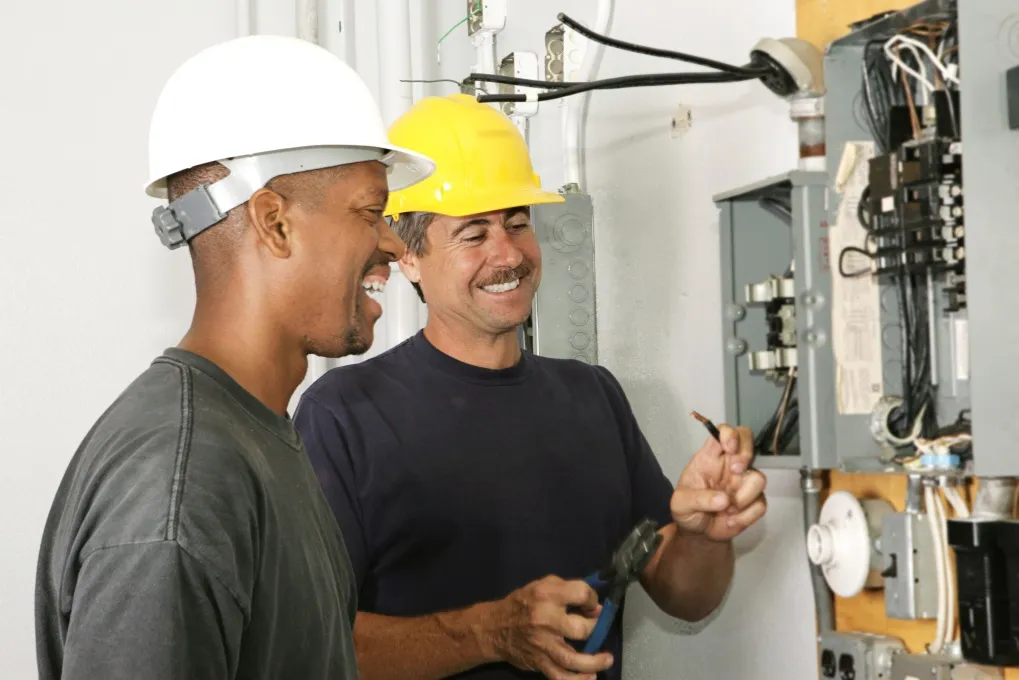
x=626 y=565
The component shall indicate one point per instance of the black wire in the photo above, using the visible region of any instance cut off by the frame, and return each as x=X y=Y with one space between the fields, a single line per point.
x=510 y=80
x=842 y=262
x=434 y=80
x=656 y=79
x=863 y=211
x=658 y=52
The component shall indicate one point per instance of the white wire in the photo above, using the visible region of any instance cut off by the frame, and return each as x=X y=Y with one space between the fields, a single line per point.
x=939 y=566
x=949 y=574
x=946 y=72
x=928 y=87
x=954 y=497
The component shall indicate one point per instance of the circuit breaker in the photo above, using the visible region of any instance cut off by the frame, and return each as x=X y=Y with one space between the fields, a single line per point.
x=910 y=578
x=857 y=656
x=563 y=319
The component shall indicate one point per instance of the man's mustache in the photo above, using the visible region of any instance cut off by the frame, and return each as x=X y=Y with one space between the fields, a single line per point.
x=501 y=276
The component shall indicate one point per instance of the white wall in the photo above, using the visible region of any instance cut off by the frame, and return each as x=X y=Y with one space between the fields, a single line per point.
x=658 y=292
x=89 y=296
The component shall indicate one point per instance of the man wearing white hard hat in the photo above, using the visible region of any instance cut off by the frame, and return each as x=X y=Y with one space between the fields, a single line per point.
x=189 y=537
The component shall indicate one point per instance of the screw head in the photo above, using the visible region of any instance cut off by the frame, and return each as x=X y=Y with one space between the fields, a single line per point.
x=736 y=346
x=735 y=312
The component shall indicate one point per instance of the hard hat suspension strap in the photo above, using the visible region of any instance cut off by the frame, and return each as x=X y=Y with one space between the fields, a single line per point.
x=207 y=205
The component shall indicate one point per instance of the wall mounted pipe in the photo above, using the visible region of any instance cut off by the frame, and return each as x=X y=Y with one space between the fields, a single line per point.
x=995 y=498
x=812 y=484
x=243 y=17
x=307 y=20
x=400 y=307
x=575 y=108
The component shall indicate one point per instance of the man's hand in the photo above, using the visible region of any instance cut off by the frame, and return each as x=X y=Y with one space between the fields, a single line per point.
x=532 y=625
x=716 y=496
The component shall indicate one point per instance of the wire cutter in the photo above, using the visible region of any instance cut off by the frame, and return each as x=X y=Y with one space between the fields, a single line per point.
x=628 y=561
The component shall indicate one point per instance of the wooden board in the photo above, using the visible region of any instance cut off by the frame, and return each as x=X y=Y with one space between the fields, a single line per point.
x=820 y=22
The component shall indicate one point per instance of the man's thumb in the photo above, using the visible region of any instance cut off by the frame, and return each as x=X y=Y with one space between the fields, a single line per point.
x=687 y=501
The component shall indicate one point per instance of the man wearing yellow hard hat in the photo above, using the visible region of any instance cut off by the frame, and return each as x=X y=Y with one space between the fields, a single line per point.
x=476 y=484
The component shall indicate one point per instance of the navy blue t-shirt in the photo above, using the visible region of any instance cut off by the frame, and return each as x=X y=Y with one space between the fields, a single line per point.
x=455 y=484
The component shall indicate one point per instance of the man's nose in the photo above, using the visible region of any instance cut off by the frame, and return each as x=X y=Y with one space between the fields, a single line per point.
x=503 y=250
x=389 y=243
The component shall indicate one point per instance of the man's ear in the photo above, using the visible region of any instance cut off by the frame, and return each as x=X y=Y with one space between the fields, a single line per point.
x=410 y=266
x=269 y=216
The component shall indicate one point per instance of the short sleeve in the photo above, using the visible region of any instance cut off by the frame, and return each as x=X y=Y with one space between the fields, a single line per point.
x=650 y=489
x=326 y=447
x=150 y=610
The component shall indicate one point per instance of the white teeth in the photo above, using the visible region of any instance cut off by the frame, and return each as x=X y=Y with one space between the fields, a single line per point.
x=501 y=287
x=374 y=288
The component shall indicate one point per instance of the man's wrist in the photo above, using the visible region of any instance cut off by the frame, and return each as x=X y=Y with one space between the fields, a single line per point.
x=480 y=623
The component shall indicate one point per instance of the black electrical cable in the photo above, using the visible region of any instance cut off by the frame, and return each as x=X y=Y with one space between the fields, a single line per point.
x=656 y=79
x=842 y=262
x=658 y=52
x=511 y=80
x=863 y=210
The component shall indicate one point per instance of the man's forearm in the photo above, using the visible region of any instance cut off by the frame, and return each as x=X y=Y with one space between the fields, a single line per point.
x=426 y=647
x=689 y=575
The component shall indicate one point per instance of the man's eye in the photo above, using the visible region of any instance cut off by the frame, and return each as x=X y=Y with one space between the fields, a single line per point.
x=523 y=226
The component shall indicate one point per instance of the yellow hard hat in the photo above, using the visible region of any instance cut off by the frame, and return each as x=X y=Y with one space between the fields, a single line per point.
x=482 y=162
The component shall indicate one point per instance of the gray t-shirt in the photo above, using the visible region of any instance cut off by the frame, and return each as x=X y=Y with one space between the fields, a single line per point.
x=190 y=539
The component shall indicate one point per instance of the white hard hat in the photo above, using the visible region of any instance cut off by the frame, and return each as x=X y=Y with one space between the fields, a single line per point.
x=263 y=106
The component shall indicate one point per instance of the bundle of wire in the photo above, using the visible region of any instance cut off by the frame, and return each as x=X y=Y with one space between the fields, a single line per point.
x=895 y=74
x=722 y=73
x=778 y=434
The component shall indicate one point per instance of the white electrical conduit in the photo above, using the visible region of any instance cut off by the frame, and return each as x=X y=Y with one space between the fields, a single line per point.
x=307 y=20
x=574 y=107
x=400 y=301
x=934 y=522
x=958 y=504
x=485 y=46
x=243 y=17
x=949 y=574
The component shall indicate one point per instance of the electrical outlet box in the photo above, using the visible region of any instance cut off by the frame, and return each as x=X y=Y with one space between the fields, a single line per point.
x=564 y=54
x=485 y=16
x=563 y=315
x=519 y=65
x=923 y=667
x=776 y=323
x=911 y=586
x=858 y=656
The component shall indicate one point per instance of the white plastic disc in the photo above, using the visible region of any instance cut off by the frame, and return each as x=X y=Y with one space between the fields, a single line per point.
x=840 y=544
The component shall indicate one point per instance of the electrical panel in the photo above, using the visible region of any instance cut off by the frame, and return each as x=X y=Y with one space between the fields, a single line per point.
x=563 y=318
x=857 y=656
x=871 y=288
x=778 y=367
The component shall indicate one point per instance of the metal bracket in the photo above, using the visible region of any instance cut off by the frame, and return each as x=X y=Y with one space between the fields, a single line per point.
x=185 y=218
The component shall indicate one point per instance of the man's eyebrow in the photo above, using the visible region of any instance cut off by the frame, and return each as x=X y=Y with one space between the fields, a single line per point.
x=482 y=221
x=513 y=212
x=372 y=196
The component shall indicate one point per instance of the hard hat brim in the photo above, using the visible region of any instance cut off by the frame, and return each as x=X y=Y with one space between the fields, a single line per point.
x=478 y=202
x=407 y=168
